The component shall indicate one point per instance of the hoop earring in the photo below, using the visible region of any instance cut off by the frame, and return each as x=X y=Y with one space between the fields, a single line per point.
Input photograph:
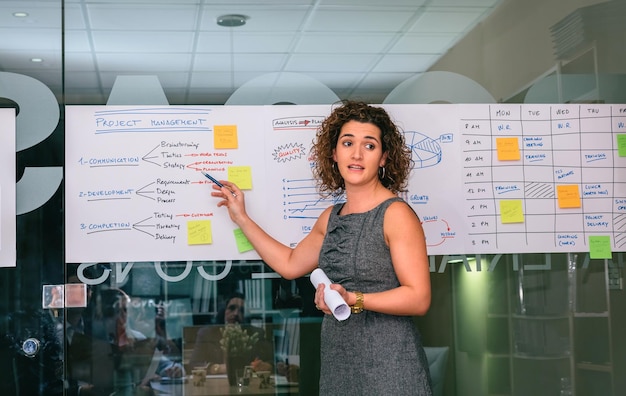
x=381 y=176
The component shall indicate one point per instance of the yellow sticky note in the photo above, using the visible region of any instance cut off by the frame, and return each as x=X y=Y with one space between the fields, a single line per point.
x=199 y=232
x=511 y=211
x=508 y=149
x=568 y=196
x=243 y=244
x=241 y=176
x=600 y=247
x=621 y=145
x=225 y=137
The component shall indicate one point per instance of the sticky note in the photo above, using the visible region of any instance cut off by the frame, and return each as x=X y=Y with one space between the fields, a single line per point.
x=511 y=211
x=243 y=244
x=225 y=137
x=600 y=247
x=568 y=196
x=241 y=176
x=621 y=145
x=199 y=232
x=508 y=149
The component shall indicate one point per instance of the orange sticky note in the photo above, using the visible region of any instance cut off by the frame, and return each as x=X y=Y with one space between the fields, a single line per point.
x=199 y=232
x=568 y=196
x=241 y=176
x=511 y=211
x=508 y=149
x=225 y=137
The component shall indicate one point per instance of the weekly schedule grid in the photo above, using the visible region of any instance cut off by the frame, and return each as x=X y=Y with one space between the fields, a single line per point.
x=551 y=177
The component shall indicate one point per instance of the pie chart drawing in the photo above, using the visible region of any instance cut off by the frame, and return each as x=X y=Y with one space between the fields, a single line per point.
x=425 y=150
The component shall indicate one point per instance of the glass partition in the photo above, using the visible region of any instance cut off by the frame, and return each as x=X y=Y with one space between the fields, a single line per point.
x=538 y=323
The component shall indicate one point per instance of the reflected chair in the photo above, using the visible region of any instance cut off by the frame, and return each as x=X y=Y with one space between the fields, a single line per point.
x=437 y=361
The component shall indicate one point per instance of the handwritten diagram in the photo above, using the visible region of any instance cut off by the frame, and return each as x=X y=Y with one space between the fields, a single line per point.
x=429 y=132
x=135 y=188
x=486 y=179
x=292 y=189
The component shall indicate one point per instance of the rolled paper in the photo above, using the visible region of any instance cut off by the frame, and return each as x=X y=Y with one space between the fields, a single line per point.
x=332 y=298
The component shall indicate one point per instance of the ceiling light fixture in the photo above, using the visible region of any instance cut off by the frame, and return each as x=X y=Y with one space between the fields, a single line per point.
x=232 y=20
x=20 y=14
x=36 y=60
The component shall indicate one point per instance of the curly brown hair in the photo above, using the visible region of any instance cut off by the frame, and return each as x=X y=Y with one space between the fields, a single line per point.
x=399 y=161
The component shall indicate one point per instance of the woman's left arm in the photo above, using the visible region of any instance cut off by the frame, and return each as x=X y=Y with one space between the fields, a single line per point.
x=405 y=236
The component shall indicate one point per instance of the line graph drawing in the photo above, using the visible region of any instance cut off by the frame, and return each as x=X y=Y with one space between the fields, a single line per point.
x=301 y=200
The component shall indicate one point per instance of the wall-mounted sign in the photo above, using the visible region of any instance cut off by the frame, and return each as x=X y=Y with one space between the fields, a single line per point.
x=7 y=188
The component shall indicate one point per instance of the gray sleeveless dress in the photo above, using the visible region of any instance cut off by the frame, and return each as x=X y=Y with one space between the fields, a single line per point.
x=369 y=353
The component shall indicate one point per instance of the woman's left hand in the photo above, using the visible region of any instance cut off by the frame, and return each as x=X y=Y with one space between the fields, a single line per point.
x=319 y=296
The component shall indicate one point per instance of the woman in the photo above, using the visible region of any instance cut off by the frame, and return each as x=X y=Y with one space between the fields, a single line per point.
x=372 y=246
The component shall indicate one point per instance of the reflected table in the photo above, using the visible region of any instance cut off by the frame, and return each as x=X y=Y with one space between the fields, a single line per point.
x=217 y=385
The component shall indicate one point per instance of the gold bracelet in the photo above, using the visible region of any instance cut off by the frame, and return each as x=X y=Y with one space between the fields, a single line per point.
x=358 y=305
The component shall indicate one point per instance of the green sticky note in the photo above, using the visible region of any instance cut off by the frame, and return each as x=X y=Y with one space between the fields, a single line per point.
x=621 y=145
x=243 y=244
x=600 y=247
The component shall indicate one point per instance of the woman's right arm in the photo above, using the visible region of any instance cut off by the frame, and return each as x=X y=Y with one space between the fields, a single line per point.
x=289 y=263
